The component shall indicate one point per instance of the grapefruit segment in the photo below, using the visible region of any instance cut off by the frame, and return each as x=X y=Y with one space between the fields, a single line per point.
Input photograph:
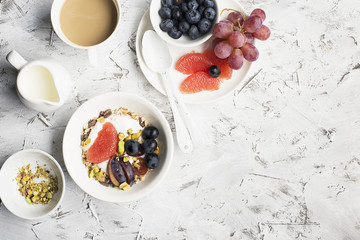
x=105 y=145
x=198 y=82
x=193 y=62
x=226 y=71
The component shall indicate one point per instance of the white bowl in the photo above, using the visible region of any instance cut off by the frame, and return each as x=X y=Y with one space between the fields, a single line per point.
x=183 y=41
x=72 y=150
x=9 y=192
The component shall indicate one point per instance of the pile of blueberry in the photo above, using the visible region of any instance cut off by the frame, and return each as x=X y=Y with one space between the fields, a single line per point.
x=192 y=18
x=134 y=148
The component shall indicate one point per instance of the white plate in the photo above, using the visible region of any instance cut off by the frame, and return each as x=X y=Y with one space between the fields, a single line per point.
x=227 y=87
x=9 y=193
x=72 y=150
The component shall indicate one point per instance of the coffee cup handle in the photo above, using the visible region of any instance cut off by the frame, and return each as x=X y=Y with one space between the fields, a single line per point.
x=93 y=59
x=15 y=59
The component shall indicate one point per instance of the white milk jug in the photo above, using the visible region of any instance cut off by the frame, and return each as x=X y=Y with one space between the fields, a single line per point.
x=42 y=85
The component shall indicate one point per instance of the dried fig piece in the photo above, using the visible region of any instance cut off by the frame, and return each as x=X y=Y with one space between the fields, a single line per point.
x=92 y=123
x=107 y=113
x=141 y=122
x=84 y=136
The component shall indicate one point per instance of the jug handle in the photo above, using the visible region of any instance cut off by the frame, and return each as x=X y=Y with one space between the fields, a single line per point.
x=15 y=59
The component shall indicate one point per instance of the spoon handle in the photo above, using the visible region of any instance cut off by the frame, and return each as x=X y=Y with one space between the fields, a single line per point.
x=195 y=133
x=182 y=134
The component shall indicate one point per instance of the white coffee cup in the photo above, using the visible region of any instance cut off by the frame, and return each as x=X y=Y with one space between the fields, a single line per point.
x=55 y=20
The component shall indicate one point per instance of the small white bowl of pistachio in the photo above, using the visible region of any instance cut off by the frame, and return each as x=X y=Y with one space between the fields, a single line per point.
x=32 y=184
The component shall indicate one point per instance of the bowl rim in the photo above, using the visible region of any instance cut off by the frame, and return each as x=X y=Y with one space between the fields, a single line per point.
x=170 y=147
x=62 y=177
x=155 y=6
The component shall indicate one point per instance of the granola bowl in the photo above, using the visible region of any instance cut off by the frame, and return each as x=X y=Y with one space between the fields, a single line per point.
x=17 y=189
x=128 y=115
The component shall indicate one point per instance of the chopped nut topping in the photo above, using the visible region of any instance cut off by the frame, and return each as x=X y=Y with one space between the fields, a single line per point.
x=121 y=136
x=121 y=147
x=101 y=119
x=124 y=186
x=36 y=193
x=136 y=136
x=135 y=164
x=157 y=150
x=87 y=142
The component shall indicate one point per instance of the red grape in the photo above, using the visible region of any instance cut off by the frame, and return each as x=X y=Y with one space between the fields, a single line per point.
x=250 y=52
x=252 y=24
x=249 y=38
x=223 y=49
x=223 y=29
x=236 y=59
x=262 y=33
x=237 y=39
x=234 y=17
x=226 y=21
x=215 y=42
x=260 y=13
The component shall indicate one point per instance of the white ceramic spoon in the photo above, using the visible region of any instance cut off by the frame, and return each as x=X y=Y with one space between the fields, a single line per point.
x=157 y=57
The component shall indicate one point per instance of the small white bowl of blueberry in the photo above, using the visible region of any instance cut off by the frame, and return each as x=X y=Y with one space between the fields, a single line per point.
x=184 y=23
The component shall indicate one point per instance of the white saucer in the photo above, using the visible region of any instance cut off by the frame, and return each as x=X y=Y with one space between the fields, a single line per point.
x=227 y=87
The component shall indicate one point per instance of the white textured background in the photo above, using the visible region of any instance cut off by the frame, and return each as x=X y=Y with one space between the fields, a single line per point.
x=282 y=159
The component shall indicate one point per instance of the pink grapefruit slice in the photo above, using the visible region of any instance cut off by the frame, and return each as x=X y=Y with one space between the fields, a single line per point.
x=193 y=62
x=105 y=145
x=226 y=71
x=198 y=82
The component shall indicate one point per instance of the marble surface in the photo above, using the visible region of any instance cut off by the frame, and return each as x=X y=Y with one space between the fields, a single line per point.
x=282 y=156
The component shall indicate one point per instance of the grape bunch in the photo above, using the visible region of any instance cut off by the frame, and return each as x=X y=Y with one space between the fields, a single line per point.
x=235 y=37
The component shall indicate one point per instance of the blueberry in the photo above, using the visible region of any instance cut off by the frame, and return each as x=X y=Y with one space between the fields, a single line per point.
x=175 y=33
x=166 y=3
x=201 y=10
x=194 y=32
x=150 y=132
x=165 y=13
x=177 y=14
x=192 y=16
x=184 y=8
x=175 y=22
x=193 y=4
x=209 y=13
x=149 y=145
x=166 y=25
x=184 y=26
x=200 y=2
x=204 y=25
x=214 y=71
x=132 y=147
x=152 y=160
x=209 y=3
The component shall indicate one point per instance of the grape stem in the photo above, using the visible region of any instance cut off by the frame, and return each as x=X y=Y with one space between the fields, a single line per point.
x=240 y=27
x=238 y=22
